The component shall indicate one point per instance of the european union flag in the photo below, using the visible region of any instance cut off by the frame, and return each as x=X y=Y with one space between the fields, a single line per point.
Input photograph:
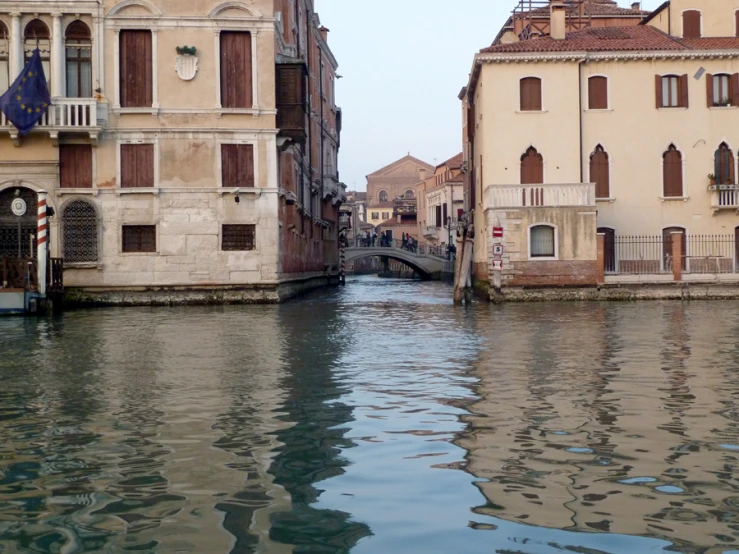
x=28 y=99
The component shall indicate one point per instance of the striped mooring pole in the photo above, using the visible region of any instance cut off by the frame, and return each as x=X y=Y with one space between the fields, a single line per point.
x=43 y=244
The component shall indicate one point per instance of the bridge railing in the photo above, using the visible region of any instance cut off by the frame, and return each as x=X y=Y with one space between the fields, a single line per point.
x=412 y=247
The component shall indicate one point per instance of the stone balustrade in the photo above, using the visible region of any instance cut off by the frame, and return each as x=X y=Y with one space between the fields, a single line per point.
x=539 y=196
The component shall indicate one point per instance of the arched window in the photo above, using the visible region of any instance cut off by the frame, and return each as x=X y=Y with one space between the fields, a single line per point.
x=672 y=172
x=691 y=24
x=409 y=194
x=724 y=165
x=600 y=173
x=80 y=232
x=598 y=93
x=383 y=196
x=79 y=60
x=542 y=241
x=35 y=36
x=4 y=51
x=530 y=94
x=532 y=167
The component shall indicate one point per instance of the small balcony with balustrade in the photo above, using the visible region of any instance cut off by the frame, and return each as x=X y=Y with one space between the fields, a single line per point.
x=724 y=197
x=65 y=115
x=560 y=195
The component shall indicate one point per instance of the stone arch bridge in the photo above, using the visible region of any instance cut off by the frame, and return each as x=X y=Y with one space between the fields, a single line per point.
x=427 y=261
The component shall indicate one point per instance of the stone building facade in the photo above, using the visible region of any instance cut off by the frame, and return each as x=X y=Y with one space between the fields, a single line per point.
x=615 y=131
x=440 y=201
x=161 y=151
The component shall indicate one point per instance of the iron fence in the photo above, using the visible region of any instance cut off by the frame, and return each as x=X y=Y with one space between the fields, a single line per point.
x=653 y=254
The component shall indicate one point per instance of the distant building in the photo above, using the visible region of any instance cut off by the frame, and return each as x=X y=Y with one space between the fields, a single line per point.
x=623 y=131
x=440 y=202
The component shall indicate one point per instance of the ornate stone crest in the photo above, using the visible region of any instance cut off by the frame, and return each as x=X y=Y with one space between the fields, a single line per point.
x=187 y=62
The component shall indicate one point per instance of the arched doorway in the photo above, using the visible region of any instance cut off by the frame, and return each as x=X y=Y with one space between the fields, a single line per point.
x=18 y=233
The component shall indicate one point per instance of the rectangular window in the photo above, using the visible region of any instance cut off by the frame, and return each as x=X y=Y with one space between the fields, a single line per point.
x=445 y=215
x=598 y=93
x=672 y=91
x=385 y=216
x=75 y=166
x=237 y=165
x=236 y=70
x=139 y=238
x=437 y=215
x=135 y=68
x=137 y=165
x=238 y=237
x=542 y=241
x=375 y=216
x=79 y=70
x=530 y=94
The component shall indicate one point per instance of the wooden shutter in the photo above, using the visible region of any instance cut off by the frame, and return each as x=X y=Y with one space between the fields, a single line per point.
x=600 y=174
x=709 y=90
x=658 y=90
x=530 y=94
x=236 y=70
x=75 y=166
x=136 y=90
x=598 y=93
x=691 y=24
x=532 y=168
x=734 y=89
x=673 y=173
x=137 y=165
x=246 y=165
x=737 y=30
x=683 y=92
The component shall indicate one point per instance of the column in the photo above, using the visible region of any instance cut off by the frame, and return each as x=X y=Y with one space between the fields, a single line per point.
x=16 y=46
x=98 y=66
x=601 y=257
x=254 y=70
x=677 y=255
x=42 y=248
x=155 y=68
x=58 y=88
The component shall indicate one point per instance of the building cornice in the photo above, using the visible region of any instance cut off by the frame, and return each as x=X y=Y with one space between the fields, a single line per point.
x=558 y=57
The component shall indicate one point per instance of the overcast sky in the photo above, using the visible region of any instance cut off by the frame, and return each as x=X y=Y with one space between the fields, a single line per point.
x=403 y=62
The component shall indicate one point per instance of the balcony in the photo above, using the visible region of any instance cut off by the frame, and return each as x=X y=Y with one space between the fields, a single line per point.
x=724 y=197
x=65 y=115
x=430 y=231
x=540 y=196
x=405 y=206
x=333 y=189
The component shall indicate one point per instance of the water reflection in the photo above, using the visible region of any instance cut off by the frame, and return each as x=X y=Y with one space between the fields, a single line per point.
x=604 y=418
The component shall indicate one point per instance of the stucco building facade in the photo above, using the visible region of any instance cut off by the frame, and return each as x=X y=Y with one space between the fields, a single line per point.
x=616 y=130
x=172 y=160
x=440 y=200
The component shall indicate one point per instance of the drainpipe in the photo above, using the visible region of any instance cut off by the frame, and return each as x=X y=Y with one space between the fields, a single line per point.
x=42 y=248
x=582 y=154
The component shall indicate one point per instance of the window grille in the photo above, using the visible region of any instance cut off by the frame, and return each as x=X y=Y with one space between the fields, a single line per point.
x=139 y=238
x=238 y=237
x=80 y=232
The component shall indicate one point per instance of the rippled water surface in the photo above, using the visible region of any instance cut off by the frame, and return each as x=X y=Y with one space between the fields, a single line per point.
x=377 y=418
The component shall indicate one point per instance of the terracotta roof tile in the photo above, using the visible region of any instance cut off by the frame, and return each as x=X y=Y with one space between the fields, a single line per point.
x=600 y=39
x=454 y=162
x=595 y=8
x=712 y=43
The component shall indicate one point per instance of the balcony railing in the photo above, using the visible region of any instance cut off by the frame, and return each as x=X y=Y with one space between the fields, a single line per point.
x=540 y=196
x=725 y=197
x=430 y=231
x=73 y=113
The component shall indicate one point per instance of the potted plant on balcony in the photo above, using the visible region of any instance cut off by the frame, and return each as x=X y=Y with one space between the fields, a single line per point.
x=711 y=181
x=726 y=102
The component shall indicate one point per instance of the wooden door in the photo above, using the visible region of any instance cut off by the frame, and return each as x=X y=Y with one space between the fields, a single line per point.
x=609 y=249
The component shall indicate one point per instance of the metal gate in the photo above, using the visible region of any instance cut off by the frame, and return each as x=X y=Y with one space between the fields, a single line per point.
x=18 y=233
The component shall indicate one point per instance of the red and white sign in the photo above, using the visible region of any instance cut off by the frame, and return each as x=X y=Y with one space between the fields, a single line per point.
x=497 y=232
x=498 y=250
x=497 y=265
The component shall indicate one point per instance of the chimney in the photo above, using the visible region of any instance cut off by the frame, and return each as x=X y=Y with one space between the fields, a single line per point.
x=324 y=33
x=558 y=19
x=636 y=6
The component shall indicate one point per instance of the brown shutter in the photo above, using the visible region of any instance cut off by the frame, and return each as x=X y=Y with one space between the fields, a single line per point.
x=80 y=156
x=136 y=90
x=67 y=167
x=536 y=94
x=737 y=22
x=128 y=165
x=691 y=24
x=236 y=70
x=532 y=168
x=673 y=173
x=246 y=165
x=600 y=174
x=229 y=166
x=684 y=98
x=525 y=96
x=530 y=94
x=145 y=165
x=709 y=89
x=658 y=90
x=734 y=89
x=598 y=93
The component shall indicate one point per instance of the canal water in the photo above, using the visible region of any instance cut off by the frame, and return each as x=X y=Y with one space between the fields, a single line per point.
x=376 y=418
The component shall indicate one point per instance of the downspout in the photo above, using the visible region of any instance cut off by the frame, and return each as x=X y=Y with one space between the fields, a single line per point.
x=582 y=140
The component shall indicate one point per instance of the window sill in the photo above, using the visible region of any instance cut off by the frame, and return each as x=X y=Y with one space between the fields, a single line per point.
x=76 y=191
x=674 y=198
x=83 y=265
x=596 y=110
x=240 y=190
x=138 y=190
x=138 y=253
x=144 y=110
x=671 y=108
x=255 y=111
x=532 y=112
x=606 y=200
x=723 y=107
x=543 y=259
